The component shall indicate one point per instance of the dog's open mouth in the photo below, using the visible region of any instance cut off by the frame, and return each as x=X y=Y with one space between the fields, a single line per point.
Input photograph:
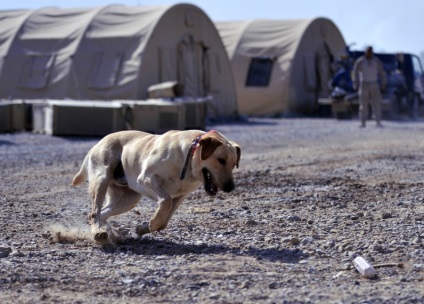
x=210 y=186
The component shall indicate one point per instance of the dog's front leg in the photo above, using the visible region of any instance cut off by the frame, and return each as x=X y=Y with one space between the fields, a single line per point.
x=161 y=217
x=158 y=221
x=176 y=202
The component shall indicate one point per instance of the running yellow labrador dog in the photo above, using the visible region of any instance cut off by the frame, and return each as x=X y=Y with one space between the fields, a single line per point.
x=125 y=166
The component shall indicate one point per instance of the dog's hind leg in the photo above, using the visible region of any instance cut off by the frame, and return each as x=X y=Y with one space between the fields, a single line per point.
x=119 y=199
x=101 y=174
x=98 y=188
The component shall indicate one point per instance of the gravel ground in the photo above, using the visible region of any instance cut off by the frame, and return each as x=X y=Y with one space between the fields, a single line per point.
x=311 y=195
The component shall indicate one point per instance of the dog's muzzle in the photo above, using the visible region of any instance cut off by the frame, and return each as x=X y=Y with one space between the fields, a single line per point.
x=229 y=186
x=211 y=188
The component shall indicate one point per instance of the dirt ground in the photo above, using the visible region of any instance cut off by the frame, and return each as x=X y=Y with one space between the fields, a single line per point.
x=312 y=194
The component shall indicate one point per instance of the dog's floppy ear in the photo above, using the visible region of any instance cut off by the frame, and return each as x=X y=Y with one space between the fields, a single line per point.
x=208 y=144
x=238 y=151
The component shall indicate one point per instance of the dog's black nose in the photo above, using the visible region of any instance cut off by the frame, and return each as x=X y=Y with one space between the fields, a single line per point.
x=229 y=186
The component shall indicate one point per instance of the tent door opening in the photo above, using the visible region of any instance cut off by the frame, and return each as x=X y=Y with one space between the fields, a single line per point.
x=193 y=67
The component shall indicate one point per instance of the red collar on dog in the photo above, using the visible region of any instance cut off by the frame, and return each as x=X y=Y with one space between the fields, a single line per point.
x=189 y=156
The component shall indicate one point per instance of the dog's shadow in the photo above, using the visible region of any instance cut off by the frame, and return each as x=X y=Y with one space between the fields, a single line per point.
x=7 y=143
x=154 y=247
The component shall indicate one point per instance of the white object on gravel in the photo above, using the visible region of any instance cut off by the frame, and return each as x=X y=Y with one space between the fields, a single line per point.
x=364 y=268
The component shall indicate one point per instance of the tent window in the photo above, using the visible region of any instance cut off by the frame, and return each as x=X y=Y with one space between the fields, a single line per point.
x=36 y=71
x=104 y=70
x=259 y=73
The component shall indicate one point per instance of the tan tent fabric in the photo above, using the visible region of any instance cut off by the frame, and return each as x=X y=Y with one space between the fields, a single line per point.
x=118 y=52
x=10 y=22
x=299 y=52
x=38 y=61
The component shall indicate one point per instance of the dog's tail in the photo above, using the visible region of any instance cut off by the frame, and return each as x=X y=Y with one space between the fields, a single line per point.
x=82 y=175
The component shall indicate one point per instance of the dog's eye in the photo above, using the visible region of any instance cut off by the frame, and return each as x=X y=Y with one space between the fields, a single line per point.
x=222 y=161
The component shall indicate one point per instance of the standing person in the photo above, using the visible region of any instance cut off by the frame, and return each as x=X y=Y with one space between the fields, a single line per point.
x=368 y=74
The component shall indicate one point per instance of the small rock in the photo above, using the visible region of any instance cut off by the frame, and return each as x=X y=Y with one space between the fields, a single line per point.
x=418 y=267
x=307 y=240
x=286 y=240
x=161 y=258
x=5 y=250
x=346 y=266
x=273 y=285
x=320 y=252
x=417 y=240
x=246 y=284
x=386 y=215
x=403 y=242
x=214 y=296
x=378 y=247
x=46 y=235
x=16 y=253
x=340 y=275
x=293 y=218
x=251 y=222
x=352 y=254
x=295 y=241
x=331 y=243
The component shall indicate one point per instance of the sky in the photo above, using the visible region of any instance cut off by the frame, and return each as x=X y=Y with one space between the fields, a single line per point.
x=389 y=26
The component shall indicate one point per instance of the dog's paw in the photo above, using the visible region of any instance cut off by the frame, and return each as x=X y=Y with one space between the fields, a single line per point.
x=142 y=229
x=101 y=237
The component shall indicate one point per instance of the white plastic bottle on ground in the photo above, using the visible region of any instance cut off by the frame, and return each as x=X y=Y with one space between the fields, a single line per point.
x=364 y=268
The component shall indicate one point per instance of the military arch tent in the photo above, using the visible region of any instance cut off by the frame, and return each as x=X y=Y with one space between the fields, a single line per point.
x=281 y=65
x=118 y=52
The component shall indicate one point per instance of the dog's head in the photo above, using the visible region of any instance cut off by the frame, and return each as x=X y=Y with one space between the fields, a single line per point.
x=219 y=157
